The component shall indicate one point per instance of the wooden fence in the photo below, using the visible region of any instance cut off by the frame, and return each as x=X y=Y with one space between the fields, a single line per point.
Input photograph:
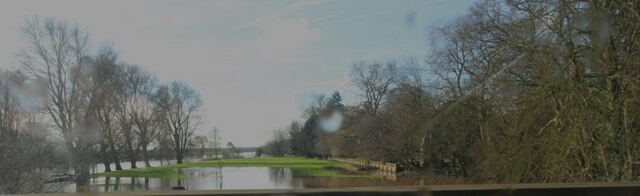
x=387 y=167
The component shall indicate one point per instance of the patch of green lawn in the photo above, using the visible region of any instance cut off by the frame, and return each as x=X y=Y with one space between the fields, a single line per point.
x=303 y=166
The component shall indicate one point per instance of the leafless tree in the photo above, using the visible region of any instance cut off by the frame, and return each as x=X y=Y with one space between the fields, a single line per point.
x=181 y=106
x=104 y=88
x=145 y=112
x=373 y=81
x=56 y=55
x=215 y=142
x=201 y=142
x=27 y=156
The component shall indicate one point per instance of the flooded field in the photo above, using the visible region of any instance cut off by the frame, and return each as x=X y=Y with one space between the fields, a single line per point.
x=229 y=178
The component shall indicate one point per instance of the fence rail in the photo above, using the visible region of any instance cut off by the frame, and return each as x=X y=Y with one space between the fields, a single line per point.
x=387 y=167
x=579 y=189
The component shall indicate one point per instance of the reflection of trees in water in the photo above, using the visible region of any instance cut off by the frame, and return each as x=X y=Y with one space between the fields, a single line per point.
x=384 y=179
x=117 y=185
x=146 y=183
x=218 y=175
x=413 y=179
x=280 y=175
x=165 y=183
x=285 y=176
x=107 y=183
x=179 y=181
x=133 y=184
x=195 y=174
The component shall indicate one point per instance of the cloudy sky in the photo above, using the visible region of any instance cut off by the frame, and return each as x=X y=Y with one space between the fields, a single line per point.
x=255 y=63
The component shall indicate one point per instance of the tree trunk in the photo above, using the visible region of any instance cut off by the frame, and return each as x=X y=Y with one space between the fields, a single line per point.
x=107 y=166
x=80 y=167
x=81 y=175
x=133 y=163
x=178 y=157
x=105 y=157
x=116 y=158
x=131 y=151
x=145 y=154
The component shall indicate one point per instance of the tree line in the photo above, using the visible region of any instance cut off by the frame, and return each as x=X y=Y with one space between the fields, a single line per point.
x=69 y=106
x=513 y=91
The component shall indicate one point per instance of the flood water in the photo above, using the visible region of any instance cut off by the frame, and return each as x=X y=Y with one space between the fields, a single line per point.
x=233 y=178
x=202 y=178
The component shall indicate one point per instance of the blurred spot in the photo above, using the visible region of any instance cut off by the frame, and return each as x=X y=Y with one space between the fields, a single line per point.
x=598 y=24
x=29 y=96
x=410 y=19
x=331 y=123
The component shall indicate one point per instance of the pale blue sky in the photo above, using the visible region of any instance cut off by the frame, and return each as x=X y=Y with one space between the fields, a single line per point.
x=255 y=63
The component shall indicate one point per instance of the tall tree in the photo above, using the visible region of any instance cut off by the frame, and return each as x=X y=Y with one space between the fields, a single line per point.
x=56 y=54
x=144 y=109
x=104 y=87
x=181 y=106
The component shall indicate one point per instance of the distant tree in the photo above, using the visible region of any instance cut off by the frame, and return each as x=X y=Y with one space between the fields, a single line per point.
x=336 y=101
x=165 y=146
x=215 y=142
x=279 y=145
x=309 y=136
x=296 y=143
x=201 y=141
x=230 y=145
x=232 y=149
x=259 y=152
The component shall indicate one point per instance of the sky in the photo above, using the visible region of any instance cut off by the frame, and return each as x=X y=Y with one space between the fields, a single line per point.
x=256 y=64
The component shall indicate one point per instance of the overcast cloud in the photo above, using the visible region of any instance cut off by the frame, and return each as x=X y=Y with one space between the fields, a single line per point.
x=255 y=63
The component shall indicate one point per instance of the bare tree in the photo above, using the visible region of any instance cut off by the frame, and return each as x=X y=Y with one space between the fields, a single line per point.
x=373 y=82
x=215 y=142
x=181 y=106
x=201 y=142
x=104 y=87
x=55 y=57
x=27 y=156
x=137 y=112
x=144 y=110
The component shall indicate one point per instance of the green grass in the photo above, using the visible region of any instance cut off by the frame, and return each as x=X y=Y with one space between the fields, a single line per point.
x=302 y=166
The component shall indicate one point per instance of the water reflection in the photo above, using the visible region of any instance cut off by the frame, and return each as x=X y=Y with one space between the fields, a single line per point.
x=203 y=178
x=220 y=178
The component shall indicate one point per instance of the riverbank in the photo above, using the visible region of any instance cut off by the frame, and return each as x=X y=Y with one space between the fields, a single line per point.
x=304 y=166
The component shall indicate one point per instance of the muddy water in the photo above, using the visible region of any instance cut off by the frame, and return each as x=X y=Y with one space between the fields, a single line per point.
x=227 y=178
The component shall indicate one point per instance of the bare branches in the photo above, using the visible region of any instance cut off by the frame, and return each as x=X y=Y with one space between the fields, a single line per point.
x=181 y=106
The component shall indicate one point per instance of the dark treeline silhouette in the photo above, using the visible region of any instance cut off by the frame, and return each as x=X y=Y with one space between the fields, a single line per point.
x=98 y=108
x=514 y=91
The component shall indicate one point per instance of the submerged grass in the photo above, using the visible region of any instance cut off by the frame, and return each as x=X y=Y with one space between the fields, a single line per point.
x=302 y=166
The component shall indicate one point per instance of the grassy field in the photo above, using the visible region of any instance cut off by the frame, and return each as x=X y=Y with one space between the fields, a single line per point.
x=303 y=166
